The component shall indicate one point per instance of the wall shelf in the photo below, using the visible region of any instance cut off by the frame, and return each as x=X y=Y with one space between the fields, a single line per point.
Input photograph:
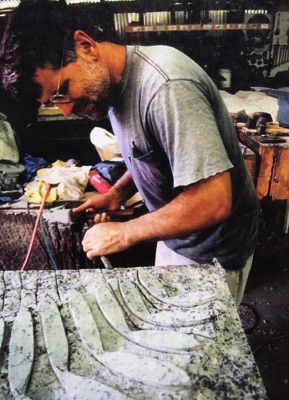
x=197 y=27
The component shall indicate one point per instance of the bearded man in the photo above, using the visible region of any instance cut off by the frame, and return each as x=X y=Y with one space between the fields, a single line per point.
x=174 y=131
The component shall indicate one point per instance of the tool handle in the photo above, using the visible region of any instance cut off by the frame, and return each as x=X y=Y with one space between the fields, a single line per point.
x=126 y=212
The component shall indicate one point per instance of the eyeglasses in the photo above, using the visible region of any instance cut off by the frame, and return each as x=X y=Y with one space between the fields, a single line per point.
x=59 y=98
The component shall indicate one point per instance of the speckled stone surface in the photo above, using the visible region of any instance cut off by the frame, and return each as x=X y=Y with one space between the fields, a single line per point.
x=140 y=333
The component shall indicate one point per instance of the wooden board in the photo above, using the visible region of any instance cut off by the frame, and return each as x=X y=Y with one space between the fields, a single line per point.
x=273 y=128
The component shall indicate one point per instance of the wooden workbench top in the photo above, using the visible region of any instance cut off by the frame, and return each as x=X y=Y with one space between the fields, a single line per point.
x=273 y=175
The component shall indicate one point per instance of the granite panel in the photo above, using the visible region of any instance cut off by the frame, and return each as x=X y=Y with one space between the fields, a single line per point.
x=132 y=333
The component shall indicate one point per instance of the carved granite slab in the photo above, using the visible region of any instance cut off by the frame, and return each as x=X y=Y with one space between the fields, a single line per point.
x=139 y=333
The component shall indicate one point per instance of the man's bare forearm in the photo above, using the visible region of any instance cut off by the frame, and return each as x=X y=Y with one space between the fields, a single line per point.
x=198 y=207
x=123 y=189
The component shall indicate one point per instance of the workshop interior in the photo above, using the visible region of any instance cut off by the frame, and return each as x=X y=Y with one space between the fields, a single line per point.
x=244 y=47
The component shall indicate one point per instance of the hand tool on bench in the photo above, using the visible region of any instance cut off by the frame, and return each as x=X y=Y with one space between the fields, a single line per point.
x=78 y=219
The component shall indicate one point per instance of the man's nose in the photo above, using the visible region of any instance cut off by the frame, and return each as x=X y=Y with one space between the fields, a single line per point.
x=66 y=108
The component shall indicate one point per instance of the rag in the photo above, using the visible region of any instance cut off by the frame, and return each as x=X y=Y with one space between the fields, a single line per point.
x=68 y=182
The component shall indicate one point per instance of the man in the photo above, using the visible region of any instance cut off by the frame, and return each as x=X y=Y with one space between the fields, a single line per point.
x=174 y=132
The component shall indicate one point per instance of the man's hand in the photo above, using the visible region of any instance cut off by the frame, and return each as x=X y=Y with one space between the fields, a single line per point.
x=113 y=199
x=105 y=238
x=98 y=202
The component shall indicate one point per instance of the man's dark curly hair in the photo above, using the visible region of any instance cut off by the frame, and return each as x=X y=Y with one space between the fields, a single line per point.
x=39 y=33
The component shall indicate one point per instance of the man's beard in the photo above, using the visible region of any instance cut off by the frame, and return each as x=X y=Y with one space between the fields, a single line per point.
x=97 y=97
x=84 y=107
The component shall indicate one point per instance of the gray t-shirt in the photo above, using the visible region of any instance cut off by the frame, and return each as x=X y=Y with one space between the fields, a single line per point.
x=174 y=129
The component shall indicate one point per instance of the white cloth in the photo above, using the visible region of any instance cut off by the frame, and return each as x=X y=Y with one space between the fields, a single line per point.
x=237 y=281
x=68 y=183
x=250 y=102
x=71 y=181
x=166 y=256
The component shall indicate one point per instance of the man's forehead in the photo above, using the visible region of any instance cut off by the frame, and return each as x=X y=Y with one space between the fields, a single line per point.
x=46 y=71
x=45 y=80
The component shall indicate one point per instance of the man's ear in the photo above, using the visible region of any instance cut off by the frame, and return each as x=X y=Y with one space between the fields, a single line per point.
x=85 y=46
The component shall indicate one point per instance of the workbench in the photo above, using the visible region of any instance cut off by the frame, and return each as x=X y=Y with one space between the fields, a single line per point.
x=273 y=171
x=57 y=245
x=174 y=330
